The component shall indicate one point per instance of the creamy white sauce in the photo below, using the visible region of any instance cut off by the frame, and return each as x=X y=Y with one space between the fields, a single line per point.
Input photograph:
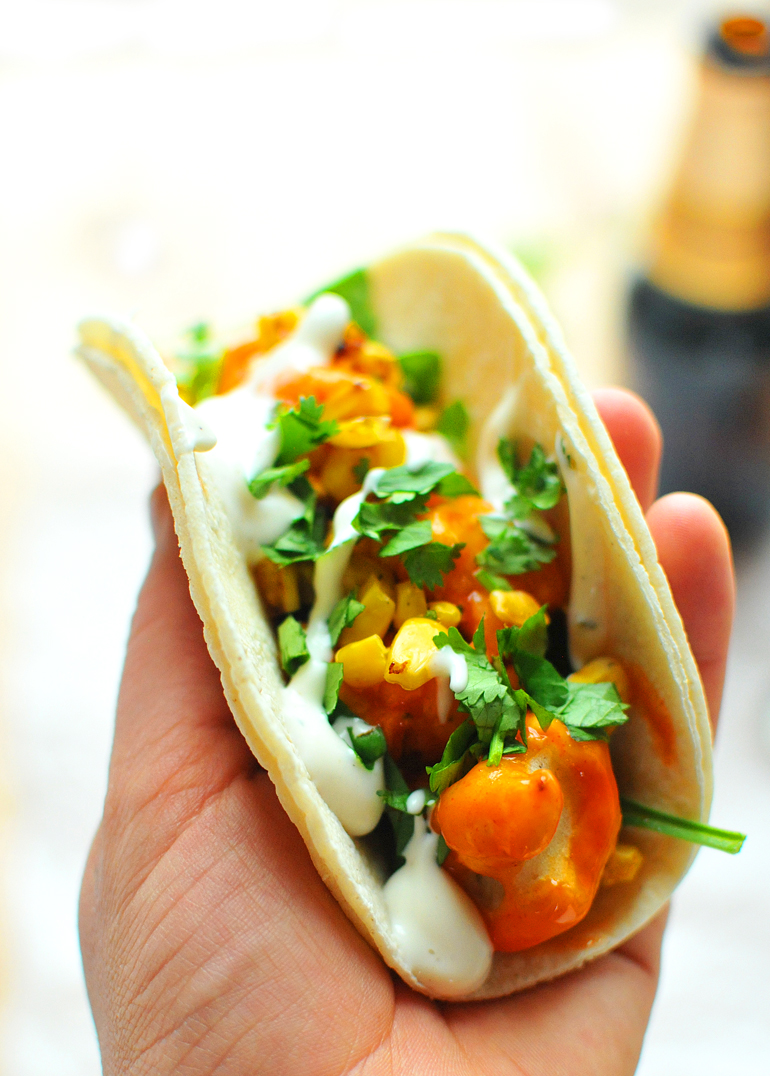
x=425 y=447
x=440 y=934
x=587 y=609
x=415 y=801
x=313 y=343
x=451 y=672
x=197 y=436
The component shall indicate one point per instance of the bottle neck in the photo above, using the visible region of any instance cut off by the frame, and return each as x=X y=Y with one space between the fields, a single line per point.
x=711 y=243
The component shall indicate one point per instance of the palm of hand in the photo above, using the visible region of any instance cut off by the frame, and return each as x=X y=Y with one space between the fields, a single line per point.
x=210 y=943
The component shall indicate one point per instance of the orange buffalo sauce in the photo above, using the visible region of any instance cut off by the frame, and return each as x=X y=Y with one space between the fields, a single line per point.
x=543 y=825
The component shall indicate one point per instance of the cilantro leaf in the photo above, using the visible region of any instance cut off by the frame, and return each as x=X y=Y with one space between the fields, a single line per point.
x=511 y=550
x=456 y=485
x=302 y=429
x=369 y=746
x=492 y=582
x=201 y=364
x=409 y=537
x=636 y=814
x=485 y=697
x=408 y=481
x=422 y=373
x=304 y=539
x=537 y=484
x=261 y=483
x=334 y=674
x=454 y=424
x=354 y=289
x=343 y=614
x=292 y=644
x=426 y=564
x=373 y=518
x=456 y=759
x=401 y=821
x=361 y=469
x=592 y=706
x=537 y=675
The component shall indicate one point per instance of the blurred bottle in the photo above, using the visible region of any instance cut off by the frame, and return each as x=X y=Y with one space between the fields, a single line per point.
x=699 y=323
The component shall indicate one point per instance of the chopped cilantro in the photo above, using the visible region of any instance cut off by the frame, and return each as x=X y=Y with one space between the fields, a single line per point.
x=369 y=746
x=456 y=485
x=410 y=537
x=430 y=614
x=302 y=429
x=304 y=539
x=492 y=582
x=401 y=821
x=636 y=814
x=537 y=485
x=511 y=550
x=454 y=423
x=343 y=614
x=354 y=289
x=406 y=482
x=486 y=697
x=586 y=709
x=334 y=674
x=201 y=365
x=292 y=644
x=456 y=759
x=361 y=469
x=422 y=373
x=442 y=850
x=261 y=484
x=427 y=564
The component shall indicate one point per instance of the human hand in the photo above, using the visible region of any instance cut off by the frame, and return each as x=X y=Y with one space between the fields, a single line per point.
x=211 y=945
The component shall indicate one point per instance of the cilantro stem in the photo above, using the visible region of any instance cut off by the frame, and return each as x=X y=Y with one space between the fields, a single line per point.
x=725 y=840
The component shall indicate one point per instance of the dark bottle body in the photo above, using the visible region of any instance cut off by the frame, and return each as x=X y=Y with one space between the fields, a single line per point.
x=706 y=374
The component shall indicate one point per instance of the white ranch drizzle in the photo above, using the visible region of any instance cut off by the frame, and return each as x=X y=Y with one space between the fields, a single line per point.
x=243 y=446
x=451 y=672
x=344 y=783
x=440 y=934
x=428 y=447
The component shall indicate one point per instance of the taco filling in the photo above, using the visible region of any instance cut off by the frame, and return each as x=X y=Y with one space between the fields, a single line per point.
x=420 y=623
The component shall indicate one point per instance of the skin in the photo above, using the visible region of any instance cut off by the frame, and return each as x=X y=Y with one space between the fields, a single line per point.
x=211 y=945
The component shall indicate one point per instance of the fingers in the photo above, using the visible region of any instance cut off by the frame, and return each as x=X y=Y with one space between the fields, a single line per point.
x=636 y=436
x=694 y=552
x=173 y=730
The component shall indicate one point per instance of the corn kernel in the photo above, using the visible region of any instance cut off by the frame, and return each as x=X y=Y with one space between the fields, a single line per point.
x=375 y=617
x=363 y=662
x=623 y=865
x=411 y=653
x=446 y=613
x=390 y=451
x=513 y=607
x=426 y=418
x=338 y=472
x=410 y=602
x=361 y=432
x=604 y=671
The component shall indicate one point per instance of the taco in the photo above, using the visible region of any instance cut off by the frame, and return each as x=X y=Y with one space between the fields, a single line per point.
x=437 y=612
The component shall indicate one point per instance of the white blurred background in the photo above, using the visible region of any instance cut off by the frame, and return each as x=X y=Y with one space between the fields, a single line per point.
x=186 y=160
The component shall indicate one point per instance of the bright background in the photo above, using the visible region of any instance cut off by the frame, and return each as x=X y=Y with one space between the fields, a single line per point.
x=184 y=159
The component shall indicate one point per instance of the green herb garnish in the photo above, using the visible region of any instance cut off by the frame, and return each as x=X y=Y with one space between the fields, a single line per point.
x=354 y=289
x=422 y=373
x=636 y=814
x=343 y=614
x=304 y=539
x=537 y=485
x=302 y=429
x=201 y=364
x=511 y=550
x=361 y=469
x=454 y=423
x=369 y=746
x=263 y=482
x=401 y=821
x=456 y=759
x=334 y=674
x=292 y=643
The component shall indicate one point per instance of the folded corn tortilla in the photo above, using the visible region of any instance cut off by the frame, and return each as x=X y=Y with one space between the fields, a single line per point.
x=504 y=357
